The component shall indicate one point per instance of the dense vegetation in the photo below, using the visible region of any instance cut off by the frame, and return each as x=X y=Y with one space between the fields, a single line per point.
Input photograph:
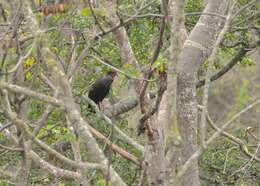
x=79 y=33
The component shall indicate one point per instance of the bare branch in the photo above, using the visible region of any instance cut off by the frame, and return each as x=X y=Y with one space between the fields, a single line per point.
x=118 y=70
x=122 y=135
x=123 y=23
x=186 y=14
x=82 y=128
x=150 y=71
x=54 y=170
x=10 y=148
x=239 y=55
x=239 y=142
x=251 y=3
x=121 y=107
x=196 y=154
x=28 y=92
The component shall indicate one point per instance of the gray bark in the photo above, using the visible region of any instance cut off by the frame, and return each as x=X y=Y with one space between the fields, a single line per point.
x=76 y=120
x=123 y=43
x=155 y=147
x=178 y=36
x=125 y=48
x=21 y=109
x=196 y=49
x=154 y=163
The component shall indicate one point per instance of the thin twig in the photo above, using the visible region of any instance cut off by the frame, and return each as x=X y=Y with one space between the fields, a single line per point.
x=118 y=70
x=239 y=55
x=123 y=23
x=150 y=71
x=122 y=135
x=196 y=154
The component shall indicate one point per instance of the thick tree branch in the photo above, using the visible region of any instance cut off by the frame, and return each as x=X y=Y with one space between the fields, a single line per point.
x=211 y=60
x=54 y=170
x=121 y=107
x=31 y=93
x=23 y=126
x=239 y=55
x=122 y=135
x=75 y=118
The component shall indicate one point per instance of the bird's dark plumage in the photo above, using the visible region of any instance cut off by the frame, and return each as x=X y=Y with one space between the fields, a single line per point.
x=101 y=87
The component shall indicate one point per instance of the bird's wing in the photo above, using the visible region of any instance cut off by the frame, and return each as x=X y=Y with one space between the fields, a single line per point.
x=102 y=83
x=100 y=87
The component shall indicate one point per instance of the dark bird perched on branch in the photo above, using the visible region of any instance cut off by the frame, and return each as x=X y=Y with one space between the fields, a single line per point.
x=100 y=89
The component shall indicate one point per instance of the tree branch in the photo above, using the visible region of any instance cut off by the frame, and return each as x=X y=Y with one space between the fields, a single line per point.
x=54 y=170
x=28 y=92
x=239 y=55
x=197 y=153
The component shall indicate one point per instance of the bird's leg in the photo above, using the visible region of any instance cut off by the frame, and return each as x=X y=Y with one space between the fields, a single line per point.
x=100 y=106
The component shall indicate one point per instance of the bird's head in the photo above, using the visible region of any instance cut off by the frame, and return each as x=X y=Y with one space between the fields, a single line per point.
x=112 y=73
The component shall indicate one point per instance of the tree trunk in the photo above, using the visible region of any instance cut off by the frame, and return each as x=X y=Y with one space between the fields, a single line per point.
x=178 y=36
x=196 y=49
x=154 y=163
x=21 y=109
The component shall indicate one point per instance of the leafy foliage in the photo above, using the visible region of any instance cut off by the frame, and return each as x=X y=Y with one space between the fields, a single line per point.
x=222 y=163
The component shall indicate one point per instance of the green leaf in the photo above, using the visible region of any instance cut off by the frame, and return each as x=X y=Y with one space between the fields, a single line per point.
x=29 y=61
x=28 y=75
x=85 y=11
